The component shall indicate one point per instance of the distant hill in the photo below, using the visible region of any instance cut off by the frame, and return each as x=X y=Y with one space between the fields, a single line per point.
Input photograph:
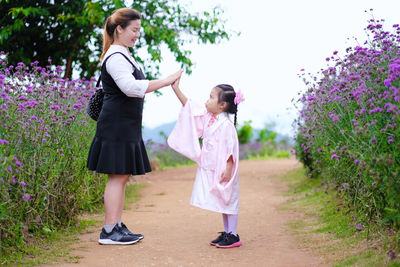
x=154 y=133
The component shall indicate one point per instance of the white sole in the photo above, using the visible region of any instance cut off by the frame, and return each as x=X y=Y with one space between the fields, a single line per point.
x=111 y=242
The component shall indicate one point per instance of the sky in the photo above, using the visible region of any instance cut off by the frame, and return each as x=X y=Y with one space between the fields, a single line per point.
x=278 y=38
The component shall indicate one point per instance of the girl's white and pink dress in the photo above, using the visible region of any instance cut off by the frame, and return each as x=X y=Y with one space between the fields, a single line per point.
x=220 y=141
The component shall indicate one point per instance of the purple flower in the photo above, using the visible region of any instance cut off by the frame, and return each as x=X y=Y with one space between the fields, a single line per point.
x=26 y=197
x=390 y=139
x=334 y=156
x=373 y=140
x=346 y=186
x=9 y=169
x=22 y=183
x=391 y=254
x=44 y=140
x=356 y=161
x=387 y=82
x=3 y=141
x=359 y=227
x=54 y=107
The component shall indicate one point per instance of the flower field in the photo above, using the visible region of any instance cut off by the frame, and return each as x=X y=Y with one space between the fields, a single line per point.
x=44 y=139
x=348 y=127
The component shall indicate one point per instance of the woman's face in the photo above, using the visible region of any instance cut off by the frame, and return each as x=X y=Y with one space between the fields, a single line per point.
x=212 y=104
x=128 y=36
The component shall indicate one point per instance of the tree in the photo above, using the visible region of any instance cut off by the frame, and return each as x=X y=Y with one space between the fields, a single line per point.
x=69 y=32
x=245 y=133
x=267 y=134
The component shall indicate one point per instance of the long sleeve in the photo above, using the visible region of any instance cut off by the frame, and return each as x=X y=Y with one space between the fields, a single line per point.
x=184 y=138
x=121 y=72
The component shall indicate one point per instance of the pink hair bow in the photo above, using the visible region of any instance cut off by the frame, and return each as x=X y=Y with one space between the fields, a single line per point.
x=238 y=98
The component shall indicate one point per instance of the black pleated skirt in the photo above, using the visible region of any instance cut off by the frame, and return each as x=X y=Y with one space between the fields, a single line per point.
x=117 y=147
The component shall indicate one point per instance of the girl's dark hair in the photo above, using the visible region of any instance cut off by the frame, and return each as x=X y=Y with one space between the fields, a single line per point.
x=227 y=94
x=121 y=16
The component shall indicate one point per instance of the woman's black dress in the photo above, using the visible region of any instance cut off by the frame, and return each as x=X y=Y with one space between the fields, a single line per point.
x=118 y=147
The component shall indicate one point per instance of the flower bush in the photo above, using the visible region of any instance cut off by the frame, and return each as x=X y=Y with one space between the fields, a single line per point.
x=165 y=156
x=44 y=139
x=348 y=127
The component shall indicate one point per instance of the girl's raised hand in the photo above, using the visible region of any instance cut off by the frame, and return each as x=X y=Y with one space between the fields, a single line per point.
x=175 y=84
x=173 y=77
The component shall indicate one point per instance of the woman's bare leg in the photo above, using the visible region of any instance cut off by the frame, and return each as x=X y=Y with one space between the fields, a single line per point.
x=114 y=195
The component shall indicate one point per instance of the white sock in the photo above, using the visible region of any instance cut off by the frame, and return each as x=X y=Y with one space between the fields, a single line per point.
x=109 y=228
x=119 y=223
x=232 y=223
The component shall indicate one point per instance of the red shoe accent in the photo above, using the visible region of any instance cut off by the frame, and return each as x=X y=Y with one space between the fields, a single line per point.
x=237 y=244
x=213 y=244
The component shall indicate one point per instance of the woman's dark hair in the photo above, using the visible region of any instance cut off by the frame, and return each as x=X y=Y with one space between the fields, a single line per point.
x=122 y=17
x=227 y=94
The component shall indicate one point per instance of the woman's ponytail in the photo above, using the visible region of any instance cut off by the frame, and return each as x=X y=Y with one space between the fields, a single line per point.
x=108 y=36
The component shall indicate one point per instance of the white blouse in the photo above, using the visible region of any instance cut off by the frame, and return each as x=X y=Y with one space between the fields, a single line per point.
x=121 y=72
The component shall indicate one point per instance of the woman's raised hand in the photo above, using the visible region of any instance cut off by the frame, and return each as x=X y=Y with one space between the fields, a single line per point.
x=157 y=84
x=173 y=77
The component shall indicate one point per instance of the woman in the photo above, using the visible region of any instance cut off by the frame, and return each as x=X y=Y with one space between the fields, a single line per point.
x=117 y=148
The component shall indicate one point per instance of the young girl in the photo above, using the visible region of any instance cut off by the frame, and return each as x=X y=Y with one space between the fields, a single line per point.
x=216 y=187
x=117 y=148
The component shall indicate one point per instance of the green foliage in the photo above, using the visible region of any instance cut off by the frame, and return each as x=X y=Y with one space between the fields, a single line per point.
x=266 y=135
x=245 y=133
x=70 y=32
x=326 y=213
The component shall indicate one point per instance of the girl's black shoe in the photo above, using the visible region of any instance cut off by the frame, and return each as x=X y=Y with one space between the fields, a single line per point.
x=229 y=241
x=218 y=239
x=126 y=231
x=116 y=237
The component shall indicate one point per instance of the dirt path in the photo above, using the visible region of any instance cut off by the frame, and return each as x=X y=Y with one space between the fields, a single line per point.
x=177 y=234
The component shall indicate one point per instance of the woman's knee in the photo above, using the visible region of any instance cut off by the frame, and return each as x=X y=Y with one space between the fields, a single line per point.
x=118 y=178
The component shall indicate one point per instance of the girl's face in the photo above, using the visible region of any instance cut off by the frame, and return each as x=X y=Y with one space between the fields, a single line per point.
x=127 y=37
x=212 y=104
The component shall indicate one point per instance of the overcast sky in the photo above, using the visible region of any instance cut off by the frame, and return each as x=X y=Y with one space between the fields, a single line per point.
x=278 y=38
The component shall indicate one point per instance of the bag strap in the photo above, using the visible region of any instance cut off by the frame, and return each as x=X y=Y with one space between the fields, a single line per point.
x=133 y=65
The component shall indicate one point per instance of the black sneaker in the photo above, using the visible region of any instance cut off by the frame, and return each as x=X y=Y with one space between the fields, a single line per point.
x=229 y=241
x=126 y=231
x=116 y=237
x=218 y=239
